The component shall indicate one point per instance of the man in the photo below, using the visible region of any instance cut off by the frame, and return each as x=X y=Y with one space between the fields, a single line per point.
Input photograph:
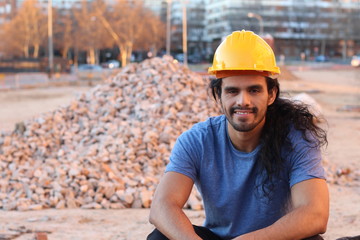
x=257 y=167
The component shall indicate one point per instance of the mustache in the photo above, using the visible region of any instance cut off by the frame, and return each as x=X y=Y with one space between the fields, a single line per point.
x=253 y=109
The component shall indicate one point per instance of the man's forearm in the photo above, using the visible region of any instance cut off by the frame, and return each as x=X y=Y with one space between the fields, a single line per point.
x=172 y=222
x=166 y=209
x=298 y=224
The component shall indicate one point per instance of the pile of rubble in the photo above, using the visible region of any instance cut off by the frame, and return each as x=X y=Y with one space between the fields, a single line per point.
x=109 y=147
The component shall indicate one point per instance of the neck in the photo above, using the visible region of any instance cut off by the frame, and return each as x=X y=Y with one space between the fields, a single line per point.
x=245 y=141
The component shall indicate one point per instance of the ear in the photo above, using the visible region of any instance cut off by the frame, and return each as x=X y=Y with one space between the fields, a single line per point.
x=272 y=96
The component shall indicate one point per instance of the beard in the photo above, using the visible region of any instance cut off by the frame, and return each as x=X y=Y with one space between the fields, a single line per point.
x=244 y=125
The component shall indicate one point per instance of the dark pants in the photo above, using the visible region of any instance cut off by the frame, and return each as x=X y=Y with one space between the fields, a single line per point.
x=202 y=232
x=205 y=234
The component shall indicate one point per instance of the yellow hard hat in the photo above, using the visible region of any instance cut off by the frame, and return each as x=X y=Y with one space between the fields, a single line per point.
x=244 y=52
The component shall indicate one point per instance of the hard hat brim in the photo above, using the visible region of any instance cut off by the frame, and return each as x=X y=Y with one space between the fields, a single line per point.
x=230 y=73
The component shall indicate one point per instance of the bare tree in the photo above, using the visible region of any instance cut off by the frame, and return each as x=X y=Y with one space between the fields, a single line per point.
x=155 y=35
x=30 y=28
x=89 y=33
x=63 y=32
x=96 y=25
x=126 y=21
x=13 y=43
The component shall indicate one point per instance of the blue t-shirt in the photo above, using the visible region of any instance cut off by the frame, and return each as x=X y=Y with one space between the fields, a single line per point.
x=230 y=181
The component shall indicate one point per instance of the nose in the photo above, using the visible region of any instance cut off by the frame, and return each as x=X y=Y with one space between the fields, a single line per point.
x=243 y=99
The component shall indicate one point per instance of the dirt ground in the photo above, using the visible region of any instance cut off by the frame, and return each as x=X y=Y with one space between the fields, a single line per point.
x=337 y=92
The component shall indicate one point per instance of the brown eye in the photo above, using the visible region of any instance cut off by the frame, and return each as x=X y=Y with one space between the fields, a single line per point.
x=254 y=90
x=231 y=91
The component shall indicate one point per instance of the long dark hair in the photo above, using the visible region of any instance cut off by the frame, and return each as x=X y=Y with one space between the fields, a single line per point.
x=280 y=117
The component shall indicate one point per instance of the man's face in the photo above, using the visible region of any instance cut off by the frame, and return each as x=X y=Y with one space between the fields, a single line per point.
x=244 y=100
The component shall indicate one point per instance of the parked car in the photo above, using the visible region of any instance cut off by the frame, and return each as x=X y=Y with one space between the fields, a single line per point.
x=355 y=61
x=194 y=58
x=321 y=58
x=179 y=57
x=90 y=72
x=111 y=64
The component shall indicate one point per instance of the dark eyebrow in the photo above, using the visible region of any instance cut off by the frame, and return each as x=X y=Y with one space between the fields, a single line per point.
x=231 y=88
x=256 y=86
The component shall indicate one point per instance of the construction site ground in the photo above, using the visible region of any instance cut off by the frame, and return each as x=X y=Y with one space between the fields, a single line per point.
x=336 y=90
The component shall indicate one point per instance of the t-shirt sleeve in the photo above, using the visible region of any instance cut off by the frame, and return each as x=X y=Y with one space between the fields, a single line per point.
x=184 y=156
x=306 y=161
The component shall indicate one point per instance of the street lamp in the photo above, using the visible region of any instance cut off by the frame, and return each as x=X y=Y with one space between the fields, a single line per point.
x=50 y=39
x=184 y=29
x=184 y=23
x=258 y=17
x=168 y=27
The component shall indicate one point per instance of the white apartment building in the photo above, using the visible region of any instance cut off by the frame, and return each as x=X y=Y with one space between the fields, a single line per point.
x=195 y=15
x=55 y=3
x=155 y=5
x=314 y=27
x=6 y=7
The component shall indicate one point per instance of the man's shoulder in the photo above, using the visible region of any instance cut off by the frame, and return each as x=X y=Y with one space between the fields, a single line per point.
x=198 y=139
x=210 y=123
x=302 y=138
x=294 y=133
x=211 y=126
x=299 y=135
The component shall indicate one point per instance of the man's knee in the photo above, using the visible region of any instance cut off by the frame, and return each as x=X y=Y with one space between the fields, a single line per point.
x=156 y=235
x=317 y=237
x=206 y=233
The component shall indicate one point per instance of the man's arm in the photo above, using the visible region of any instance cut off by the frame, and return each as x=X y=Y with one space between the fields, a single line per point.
x=309 y=216
x=166 y=209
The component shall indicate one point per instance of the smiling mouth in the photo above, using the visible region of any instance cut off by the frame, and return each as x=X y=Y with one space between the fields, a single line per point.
x=243 y=111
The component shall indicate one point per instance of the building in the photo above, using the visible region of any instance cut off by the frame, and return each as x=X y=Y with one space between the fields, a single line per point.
x=55 y=3
x=6 y=10
x=154 y=5
x=195 y=15
x=298 y=27
x=311 y=27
